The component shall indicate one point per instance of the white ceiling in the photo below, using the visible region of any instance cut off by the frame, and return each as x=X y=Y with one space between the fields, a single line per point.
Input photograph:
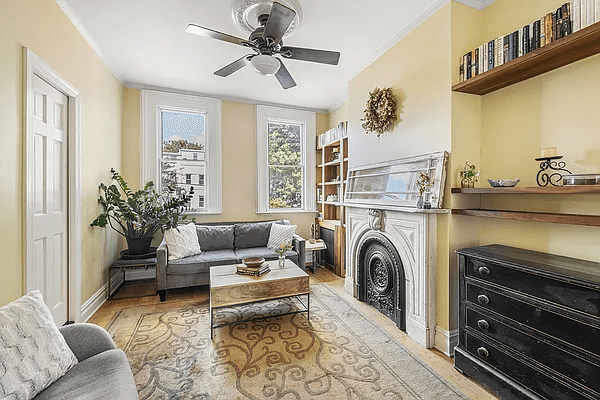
x=144 y=43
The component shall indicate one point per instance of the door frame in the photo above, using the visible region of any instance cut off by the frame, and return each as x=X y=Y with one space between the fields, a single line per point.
x=33 y=65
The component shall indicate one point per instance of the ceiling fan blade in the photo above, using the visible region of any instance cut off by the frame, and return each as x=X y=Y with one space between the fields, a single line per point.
x=209 y=33
x=312 y=55
x=278 y=23
x=234 y=66
x=284 y=77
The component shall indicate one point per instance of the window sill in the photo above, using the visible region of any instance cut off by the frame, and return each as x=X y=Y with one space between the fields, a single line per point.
x=204 y=213
x=288 y=212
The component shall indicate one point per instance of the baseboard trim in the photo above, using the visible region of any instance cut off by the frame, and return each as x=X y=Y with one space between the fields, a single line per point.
x=445 y=340
x=92 y=304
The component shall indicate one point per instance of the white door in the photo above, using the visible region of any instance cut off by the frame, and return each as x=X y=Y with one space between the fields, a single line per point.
x=49 y=167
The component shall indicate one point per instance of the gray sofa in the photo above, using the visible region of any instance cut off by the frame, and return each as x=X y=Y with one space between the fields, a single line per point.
x=103 y=371
x=221 y=244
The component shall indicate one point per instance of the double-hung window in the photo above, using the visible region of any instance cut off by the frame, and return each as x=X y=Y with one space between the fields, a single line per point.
x=181 y=140
x=285 y=159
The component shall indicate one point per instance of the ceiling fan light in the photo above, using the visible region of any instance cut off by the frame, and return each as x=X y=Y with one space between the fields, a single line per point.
x=265 y=64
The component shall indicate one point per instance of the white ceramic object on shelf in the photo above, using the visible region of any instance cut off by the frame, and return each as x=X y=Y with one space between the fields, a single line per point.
x=504 y=182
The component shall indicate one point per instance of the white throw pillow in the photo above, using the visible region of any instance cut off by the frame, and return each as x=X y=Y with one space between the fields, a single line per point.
x=280 y=234
x=33 y=352
x=182 y=241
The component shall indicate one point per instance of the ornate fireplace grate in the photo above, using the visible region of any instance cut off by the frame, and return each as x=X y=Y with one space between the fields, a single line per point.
x=381 y=277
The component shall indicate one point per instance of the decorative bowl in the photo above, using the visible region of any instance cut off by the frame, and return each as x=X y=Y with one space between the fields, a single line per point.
x=253 y=262
x=504 y=182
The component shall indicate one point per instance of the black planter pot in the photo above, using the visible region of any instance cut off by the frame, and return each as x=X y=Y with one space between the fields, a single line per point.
x=139 y=245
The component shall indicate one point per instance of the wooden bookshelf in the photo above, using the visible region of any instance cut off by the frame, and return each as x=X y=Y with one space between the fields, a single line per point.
x=552 y=218
x=583 y=189
x=332 y=170
x=577 y=46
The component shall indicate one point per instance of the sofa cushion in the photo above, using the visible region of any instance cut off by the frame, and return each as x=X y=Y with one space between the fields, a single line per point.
x=33 y=353
x=280 y=234
x=253 y=234
x=182 y=241
x=215 y=237
x=201 y=262
x=264 y=252
x=104 y=376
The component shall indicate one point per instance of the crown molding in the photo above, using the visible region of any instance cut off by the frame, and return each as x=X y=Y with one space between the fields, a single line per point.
x=435 y=7
x=66 y=8
x=476 y=4
x=338 y=105
x=141 y=86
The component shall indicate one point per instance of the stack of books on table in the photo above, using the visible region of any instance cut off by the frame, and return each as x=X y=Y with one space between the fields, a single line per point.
x=252 y=271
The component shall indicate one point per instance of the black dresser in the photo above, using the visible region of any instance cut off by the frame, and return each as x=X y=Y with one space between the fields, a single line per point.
x=529 y=323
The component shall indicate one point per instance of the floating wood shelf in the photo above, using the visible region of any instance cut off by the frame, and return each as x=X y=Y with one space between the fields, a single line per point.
x=552 y=218
x=575 y=47
x=330 y=163
x=591 y=189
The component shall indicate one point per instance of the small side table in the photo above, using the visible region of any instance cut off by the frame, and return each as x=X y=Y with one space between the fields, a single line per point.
x=127 y=265
x=313 y=248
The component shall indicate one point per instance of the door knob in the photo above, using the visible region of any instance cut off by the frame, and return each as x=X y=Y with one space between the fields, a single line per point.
x=482 y=351
x=483 y=299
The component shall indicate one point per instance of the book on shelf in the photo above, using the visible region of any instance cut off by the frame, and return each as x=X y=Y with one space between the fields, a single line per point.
x=484 y=57
x=591 y=15
x=542 y=32
x=461 y=69
x=499 y=51
x=566 y=20
x=576 y=8
x=548 y=27
x=491 y=55
x=475 y=62
x=597 y=11
x=525 y=39
x=515 y=52
x=505 y=48
x=536 y=35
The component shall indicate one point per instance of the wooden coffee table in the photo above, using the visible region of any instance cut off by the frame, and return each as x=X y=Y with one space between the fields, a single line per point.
x=229 y=289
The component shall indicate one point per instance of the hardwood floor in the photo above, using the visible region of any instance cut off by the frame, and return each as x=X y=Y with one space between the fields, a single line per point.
x=430 y=357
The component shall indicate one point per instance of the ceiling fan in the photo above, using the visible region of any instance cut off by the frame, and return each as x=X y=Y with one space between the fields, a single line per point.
x=266 y=43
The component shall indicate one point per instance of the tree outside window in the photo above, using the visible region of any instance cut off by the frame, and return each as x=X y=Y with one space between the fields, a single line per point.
x=285 y=165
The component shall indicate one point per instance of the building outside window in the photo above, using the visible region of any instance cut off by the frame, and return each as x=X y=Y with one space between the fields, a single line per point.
x=183 y=152
x=181 y=139
x=286 y=143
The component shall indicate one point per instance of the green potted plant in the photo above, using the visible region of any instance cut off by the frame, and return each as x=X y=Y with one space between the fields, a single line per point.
x=139 y=215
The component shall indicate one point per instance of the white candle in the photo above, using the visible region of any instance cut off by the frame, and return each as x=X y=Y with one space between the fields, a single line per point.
x=548 y=152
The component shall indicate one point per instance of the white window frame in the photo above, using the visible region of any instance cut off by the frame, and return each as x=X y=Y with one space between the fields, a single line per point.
x=266 y=114
x=153 y=103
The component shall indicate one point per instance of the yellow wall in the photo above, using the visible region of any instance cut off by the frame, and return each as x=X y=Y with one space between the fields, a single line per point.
x=41 y=26
x=559 y=109
x=419 y=70
x=239 y=162
x=338 y=115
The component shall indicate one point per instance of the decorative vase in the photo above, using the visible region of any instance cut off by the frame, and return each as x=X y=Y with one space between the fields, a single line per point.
x=420 y=202
x=281 y=260
x=139 y=246
x=426 y=202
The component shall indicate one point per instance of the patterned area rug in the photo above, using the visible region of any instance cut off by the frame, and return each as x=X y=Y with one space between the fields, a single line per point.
x=338 y=354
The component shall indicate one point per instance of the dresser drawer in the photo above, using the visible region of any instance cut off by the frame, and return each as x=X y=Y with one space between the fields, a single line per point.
x=527 y=376
x=569 y=330
x=574 y=296
x=557 y=359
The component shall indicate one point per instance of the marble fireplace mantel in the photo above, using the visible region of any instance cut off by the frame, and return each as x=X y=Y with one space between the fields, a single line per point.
x=413 y=233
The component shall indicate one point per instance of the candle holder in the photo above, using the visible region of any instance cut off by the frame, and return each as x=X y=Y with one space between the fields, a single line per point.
x=547 y=175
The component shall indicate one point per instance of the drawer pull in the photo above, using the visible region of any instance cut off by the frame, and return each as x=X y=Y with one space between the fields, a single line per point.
x=483 y=324
x=483 y=299
x=482 y=351
x=484 y=271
